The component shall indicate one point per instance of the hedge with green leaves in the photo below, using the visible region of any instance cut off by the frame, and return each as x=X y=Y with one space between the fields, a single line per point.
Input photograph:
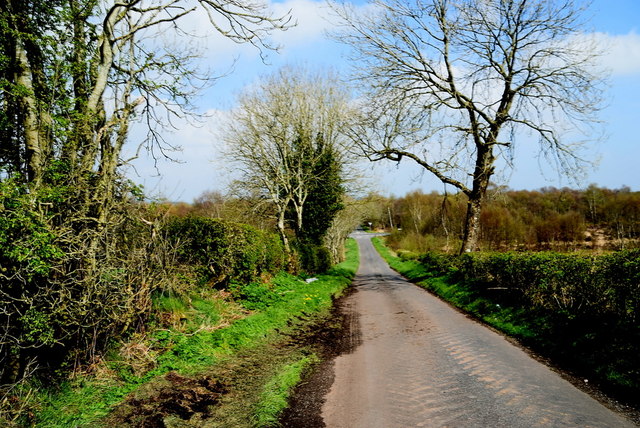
x=67 y=287
x=573 y=284
x=581 y=310
x=223 y=252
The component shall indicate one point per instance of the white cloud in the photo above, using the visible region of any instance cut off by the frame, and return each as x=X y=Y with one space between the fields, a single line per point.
x=621 y=52
x=196 y=167
x=312 y=18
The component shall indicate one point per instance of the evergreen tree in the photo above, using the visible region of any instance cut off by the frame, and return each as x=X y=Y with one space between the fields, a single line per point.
x=325 y=196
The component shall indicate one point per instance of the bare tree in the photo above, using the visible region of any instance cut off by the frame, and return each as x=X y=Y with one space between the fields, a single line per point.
x=98 y=66
x=278 y=133
x=450 y=83
x=345 y=222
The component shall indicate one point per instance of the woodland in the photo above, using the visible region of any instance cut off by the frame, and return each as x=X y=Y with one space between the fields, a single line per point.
x=595 y=219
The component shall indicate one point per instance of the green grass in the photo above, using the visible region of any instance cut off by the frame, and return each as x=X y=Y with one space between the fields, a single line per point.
x=411 y=269
x=194 y=348
x=170 y=304
x=275 y=394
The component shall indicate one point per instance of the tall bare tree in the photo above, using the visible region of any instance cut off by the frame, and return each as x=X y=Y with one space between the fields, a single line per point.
x=345 y=222
x=80 y=81
x=279 y=133
x=450 y=83
x=74 y=75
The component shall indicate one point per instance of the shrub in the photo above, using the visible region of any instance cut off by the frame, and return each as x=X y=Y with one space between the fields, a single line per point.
x=222 y=252
x=313 y=258
x=588 y=305
x=440 y=263
x=619 y=276
x=575 y=285
x=418 y=242
x=67 y=288
x=255 y=296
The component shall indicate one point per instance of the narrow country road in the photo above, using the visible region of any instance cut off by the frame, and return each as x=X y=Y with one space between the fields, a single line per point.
x=420 y=363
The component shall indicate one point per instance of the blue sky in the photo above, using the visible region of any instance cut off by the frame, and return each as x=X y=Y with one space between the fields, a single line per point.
x=201 y=166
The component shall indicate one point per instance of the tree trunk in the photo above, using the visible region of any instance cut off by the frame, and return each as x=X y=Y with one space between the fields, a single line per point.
x=283 y=234
x=472 y=225
x=299 y=210
x=31 y=122
x=482 y=174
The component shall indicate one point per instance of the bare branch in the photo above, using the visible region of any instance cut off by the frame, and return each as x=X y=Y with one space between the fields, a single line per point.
x=443 y=79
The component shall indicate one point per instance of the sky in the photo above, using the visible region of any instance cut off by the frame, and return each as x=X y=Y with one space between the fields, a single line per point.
x=200 y=166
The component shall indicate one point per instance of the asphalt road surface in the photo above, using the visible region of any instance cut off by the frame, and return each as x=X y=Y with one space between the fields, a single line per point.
x=420 y=363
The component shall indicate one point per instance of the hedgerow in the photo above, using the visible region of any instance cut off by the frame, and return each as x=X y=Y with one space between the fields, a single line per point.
x=576 y=285
x=66 y=288
x=69 y=291
x=220 y=252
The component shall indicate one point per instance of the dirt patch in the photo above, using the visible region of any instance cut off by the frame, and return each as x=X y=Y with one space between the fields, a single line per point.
x=176 y=397
x=339 y=335
x=333 y=335
x=225 y=395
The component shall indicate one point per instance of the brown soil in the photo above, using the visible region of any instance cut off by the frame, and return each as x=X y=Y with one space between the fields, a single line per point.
x=176 y=396
x=225 y=394
x=338 y=337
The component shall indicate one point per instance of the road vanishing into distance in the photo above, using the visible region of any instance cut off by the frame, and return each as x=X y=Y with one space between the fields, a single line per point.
x=417 y=362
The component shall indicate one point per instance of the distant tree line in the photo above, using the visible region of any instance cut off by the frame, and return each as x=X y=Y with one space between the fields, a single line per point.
x=548 y=218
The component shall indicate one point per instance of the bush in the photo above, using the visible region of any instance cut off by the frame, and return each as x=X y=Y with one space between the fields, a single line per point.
x=67 y=288
x=440 y=263
x=313 y=258
x=619 y=276
x=419 y=242
x=574 y=284
x=580 y=310
x=255 y=296
x=222 y=252
x=587 y=306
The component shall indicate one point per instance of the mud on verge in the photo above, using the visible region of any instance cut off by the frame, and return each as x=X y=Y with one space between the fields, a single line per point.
x=227 y=394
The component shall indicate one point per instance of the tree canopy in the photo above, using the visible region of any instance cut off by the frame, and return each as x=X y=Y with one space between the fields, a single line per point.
x=287 y=137
x=451 y=84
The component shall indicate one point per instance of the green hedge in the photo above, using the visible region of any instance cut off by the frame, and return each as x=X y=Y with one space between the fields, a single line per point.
x=313 y=258
x=574 y=284
x=224 y=252
x=67 y=287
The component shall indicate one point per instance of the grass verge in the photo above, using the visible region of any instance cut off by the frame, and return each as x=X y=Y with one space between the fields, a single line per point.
x=515 y=322
x=275 y=395
x=209 y=336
